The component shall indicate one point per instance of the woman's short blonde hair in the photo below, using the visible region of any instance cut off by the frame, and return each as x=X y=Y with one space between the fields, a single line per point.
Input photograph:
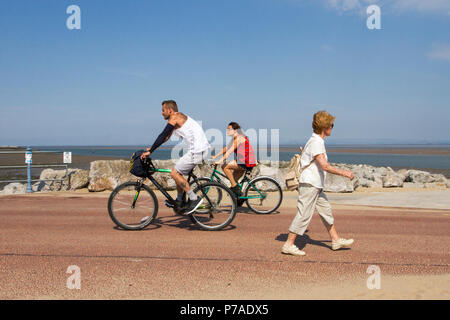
x=322 y=120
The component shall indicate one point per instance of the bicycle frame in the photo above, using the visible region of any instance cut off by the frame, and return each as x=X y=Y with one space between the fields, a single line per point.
x=216 y=174
x=151 y=170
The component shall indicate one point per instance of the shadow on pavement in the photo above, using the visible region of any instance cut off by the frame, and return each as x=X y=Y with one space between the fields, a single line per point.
x=302 y=241
x=247 y=210
x=175 y=221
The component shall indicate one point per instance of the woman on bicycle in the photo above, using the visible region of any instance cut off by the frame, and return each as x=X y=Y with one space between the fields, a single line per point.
x=245 y=156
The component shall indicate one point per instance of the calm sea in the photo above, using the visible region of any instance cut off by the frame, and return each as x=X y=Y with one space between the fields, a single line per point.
x=285 y=153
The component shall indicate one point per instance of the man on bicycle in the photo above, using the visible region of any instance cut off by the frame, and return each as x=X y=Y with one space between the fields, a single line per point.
x=192 y=133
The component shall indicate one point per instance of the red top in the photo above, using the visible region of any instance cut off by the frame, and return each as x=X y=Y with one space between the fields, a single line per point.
x=245 y=155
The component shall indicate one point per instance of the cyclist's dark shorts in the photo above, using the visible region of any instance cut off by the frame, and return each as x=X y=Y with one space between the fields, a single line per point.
x=243 y=166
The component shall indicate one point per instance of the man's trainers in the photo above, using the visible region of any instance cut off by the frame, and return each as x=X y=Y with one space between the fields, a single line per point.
x=192 y=205
x=292 y=250
x=341 y=243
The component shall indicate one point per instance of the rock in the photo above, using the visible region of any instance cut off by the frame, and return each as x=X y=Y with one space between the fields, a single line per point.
x=424 y=177
x=79 y=179
x=14 y=188
x=51 y=174
x=203 y=170
x=403 y=172
x=164 y=164
x=335 y=183
x=73 y=179
x=416 y=176
x=366 y=183
x=164 y=179
x=108 y=174
x=392 y=179
x=438 y=178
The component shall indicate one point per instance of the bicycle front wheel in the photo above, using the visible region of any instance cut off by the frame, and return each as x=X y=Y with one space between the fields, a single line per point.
x=218 y=208
x=131 y=207
x=263 y=195
x=194 y=185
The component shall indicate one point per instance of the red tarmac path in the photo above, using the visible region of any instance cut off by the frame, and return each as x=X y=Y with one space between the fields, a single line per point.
x=41 y=235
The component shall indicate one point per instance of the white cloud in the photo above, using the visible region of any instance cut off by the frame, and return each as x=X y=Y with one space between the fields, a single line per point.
x=400 y=6
x=344 y=5
x=437 y=6
x=440 y=52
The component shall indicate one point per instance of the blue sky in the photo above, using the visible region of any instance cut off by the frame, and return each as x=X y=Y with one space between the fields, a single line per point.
x=263 y=63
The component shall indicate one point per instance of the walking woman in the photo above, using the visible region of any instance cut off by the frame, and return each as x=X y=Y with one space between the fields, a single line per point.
x=314 y=164
x=245 y=156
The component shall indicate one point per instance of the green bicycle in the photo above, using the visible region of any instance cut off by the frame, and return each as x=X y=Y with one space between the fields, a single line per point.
x=262 y=194
x=133 y=205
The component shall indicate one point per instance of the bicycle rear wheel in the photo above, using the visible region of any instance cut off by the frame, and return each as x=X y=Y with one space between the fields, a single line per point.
x=130 y=208
x=218 y=208
x=263 y=195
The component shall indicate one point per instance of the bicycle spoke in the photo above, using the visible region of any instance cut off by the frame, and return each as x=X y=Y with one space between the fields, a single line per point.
x=129 y=216
x=263 y=195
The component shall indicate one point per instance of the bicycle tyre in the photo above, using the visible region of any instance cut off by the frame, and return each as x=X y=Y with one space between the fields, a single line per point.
x=124 y=225
x=202 y=180
x=223 y=190
x=261 y=179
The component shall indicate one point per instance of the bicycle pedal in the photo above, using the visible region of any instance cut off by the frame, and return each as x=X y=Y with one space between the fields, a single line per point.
x=168 y=204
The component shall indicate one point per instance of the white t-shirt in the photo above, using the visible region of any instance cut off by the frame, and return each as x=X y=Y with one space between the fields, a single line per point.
x=313 y=174
x=192 y=133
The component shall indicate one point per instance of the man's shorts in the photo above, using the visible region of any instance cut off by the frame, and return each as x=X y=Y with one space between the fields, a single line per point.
x=189 y=160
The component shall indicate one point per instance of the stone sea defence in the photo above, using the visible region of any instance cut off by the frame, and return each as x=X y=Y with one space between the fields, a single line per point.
x=105 y=175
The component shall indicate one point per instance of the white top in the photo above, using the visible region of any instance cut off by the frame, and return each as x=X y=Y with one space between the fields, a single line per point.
x=192 y=133
x=313 y=174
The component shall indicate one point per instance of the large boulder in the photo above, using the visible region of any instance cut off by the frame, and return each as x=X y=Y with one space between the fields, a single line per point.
x=335 y=183
x=52 y=174
x=108 y=174
x=204 y=170
x=418 y=176
x=72 y=179
x=79 y=179
x=393 y=179
x=14 y=188
x=366 y=183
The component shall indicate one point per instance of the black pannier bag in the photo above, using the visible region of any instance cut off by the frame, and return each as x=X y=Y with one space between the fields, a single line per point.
x=137 y=166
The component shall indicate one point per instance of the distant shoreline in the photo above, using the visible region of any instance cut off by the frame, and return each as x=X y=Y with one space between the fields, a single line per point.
x=424 y=151
x=357 y=149
x=83 y=162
